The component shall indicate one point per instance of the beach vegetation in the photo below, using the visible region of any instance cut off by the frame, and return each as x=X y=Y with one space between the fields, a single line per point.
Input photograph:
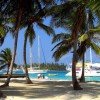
x=71 y=15
x=51 y=66
x=5 y=59
x=75 y=22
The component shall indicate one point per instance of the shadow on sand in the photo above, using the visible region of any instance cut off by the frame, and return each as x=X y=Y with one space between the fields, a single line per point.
x=50 y=89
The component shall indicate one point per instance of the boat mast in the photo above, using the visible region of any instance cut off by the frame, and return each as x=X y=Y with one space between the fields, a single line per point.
x=39 y=51
x=31 y=57
x=90 y=55
x=42 y=51
x=87 y=30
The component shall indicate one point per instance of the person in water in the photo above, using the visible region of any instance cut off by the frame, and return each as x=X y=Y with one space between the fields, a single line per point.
x=41 y=76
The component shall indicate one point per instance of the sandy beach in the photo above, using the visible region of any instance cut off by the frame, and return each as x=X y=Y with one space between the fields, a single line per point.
x=50 y=90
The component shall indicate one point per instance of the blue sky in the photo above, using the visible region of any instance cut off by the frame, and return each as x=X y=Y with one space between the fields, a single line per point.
x=47 y=47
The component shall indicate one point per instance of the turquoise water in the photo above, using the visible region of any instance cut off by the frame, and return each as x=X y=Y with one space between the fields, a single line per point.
x=57 y=75
x=61 y=75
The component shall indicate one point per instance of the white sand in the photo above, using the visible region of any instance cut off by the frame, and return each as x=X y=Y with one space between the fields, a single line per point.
x=44 y=90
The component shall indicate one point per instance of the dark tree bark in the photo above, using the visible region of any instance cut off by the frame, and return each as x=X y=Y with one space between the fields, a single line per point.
x=75 y=31
x=18 y=20
x=2 y=94
x=25 y=63
x=82 y=79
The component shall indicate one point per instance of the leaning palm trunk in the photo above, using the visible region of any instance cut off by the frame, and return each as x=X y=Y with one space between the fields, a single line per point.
x=12 y=61
x=82 y=79
x=19 y=16
x=2 y=95
x=25 y=63
x=8 y=69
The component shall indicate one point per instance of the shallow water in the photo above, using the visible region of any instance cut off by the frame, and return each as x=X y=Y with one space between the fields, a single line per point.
x=61 y=75
x=56 y=75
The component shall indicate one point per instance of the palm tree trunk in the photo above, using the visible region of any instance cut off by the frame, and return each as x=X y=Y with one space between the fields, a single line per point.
x=8 y=69
x=75 y=31
x=2 y=95
x=76 y=85
x=12 y=61
x=25 y=63
x=82 y=79
x=18 y=20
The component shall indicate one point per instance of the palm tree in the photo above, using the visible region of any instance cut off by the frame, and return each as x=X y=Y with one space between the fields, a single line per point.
x=23 y=14
x=61 y=48
x=7 y=12
x=76 y=26
x=24 y=54
x=3 y=31
x=30 y=33
x=5 y=58
x=86 y=44
x=75 y=29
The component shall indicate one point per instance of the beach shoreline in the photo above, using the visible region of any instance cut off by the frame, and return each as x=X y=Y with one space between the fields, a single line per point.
x=50 y=90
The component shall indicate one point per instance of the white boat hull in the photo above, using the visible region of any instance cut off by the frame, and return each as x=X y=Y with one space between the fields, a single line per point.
x=37 y=71
x=89 y=73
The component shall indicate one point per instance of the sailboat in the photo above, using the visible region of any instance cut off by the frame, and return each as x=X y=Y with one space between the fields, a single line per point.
x=37 y=68
x=91 y=69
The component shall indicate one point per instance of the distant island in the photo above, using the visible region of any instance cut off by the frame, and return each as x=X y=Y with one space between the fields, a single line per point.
x=48 y=66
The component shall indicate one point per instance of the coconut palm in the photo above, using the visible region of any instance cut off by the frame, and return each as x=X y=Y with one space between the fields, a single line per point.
x=95 y=47
x=20 y=14
x=4 y=29
x=61 y=48
x=73 y=21
x=75 y=28
x=30 y=33
x=5 y=59
x=25 y=13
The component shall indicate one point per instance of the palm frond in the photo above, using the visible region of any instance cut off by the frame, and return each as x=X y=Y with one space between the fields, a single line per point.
x=5 y=56
x=96 y=29
x=83 y=37
x=2 y=31
x=3 y=66
x=61 y=51
x=62 y=48
x=31 y=34
x=47 y=29
x=94 y=4
x=95 y=47
x=61 y=18
x=82 y=48
x=60 y=37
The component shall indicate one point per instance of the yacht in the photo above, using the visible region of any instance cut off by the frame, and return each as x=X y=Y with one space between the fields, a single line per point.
x=90 y=70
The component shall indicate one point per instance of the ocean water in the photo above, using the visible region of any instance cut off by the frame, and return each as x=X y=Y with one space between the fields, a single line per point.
x=61 y=75
x=56 y=75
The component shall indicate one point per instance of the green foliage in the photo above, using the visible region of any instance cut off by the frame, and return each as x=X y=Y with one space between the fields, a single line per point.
x=83 y=37
x=94 y=4
x=31 y=34
x=5 y=57
x=95 y=47
x=51 y=66
x=60 y=36
x=2 y=31
x=96 y=29
x=46 y=28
